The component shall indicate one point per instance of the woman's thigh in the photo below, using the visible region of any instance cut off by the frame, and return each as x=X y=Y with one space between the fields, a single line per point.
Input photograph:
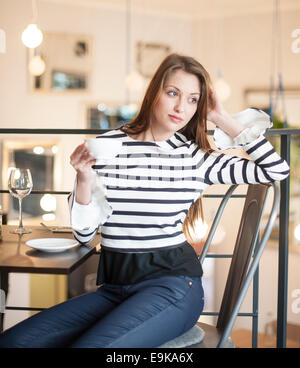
x=59 y=325
x=156 y=311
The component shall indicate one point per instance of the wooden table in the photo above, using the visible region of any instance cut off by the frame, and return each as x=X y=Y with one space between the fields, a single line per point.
x=16 y=256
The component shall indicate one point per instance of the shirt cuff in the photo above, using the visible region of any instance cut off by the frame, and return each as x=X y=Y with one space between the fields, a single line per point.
x=255 y=121
x=93 y=214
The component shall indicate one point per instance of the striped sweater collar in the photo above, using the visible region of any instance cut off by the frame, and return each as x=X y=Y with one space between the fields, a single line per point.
x=176 y=141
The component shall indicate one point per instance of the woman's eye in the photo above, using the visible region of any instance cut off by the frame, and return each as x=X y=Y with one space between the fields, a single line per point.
x=172 y=93
x=193 y=100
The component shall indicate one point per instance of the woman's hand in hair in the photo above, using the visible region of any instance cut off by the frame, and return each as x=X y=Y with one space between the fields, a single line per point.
x=217 y=114
x=215 y=109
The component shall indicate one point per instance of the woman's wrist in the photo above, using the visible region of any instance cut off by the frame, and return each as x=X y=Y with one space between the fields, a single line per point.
x=84 y=177
x=84 y=188
x=228 y=124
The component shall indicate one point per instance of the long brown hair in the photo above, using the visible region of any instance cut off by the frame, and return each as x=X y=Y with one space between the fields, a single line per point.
x=194 y=130
x=197 y=126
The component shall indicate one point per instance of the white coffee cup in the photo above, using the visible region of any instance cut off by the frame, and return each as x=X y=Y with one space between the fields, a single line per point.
x=102 y=148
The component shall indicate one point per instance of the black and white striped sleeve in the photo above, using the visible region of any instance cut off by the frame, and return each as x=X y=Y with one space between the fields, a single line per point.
x=86 y=219
x=265 y=165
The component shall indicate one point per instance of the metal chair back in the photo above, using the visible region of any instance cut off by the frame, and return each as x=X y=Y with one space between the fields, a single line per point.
x=247 y=251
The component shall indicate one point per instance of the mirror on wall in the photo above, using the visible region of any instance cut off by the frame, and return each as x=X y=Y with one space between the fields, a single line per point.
x=40 y=156
x=62 y=63
x=149 y=56
x=108 y=115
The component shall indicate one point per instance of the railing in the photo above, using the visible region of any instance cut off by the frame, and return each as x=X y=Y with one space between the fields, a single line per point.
x=283 y=251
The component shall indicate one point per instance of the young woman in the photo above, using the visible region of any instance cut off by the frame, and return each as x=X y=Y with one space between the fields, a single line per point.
x=150 y=278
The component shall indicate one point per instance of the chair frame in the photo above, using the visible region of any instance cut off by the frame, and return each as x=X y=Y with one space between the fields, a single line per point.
x=228 y=313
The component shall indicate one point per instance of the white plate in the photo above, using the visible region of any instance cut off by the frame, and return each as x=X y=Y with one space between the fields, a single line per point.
x=52 y=245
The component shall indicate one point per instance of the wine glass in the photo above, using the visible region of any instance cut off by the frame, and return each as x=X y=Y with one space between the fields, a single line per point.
x=20 y=186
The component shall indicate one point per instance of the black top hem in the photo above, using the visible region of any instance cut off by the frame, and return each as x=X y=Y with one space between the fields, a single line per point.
x=125 y=268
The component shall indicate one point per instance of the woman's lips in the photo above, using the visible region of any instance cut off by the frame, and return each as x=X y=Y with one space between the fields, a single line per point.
x=175 y=118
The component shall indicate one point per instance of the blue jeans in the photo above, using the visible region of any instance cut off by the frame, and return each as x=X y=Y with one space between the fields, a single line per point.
x=142 y=315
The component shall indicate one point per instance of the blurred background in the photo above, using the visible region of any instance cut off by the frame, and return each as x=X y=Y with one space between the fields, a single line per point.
x=85 y=64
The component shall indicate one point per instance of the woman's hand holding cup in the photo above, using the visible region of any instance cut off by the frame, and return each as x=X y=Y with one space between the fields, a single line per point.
x=82 y=161
x=85 y=156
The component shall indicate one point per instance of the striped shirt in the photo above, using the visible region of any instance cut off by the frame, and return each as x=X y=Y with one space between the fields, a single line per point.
x=150 y=187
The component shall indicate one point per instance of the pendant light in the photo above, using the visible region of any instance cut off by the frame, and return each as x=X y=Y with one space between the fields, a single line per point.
x=2 y=41
x=134 y=81
x=222 y=88
x=32 y=36
x=277 y=108
x=297 y=232
x=36 y=65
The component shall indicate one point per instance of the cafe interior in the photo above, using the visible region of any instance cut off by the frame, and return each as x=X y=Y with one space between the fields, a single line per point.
x=73 y=69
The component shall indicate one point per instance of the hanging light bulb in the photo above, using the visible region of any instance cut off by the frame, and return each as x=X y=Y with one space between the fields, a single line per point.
x=2 y=41
x=32 y=36
x=222 y=88
x=36 y=66
x=134 y=81
x=297 y=232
